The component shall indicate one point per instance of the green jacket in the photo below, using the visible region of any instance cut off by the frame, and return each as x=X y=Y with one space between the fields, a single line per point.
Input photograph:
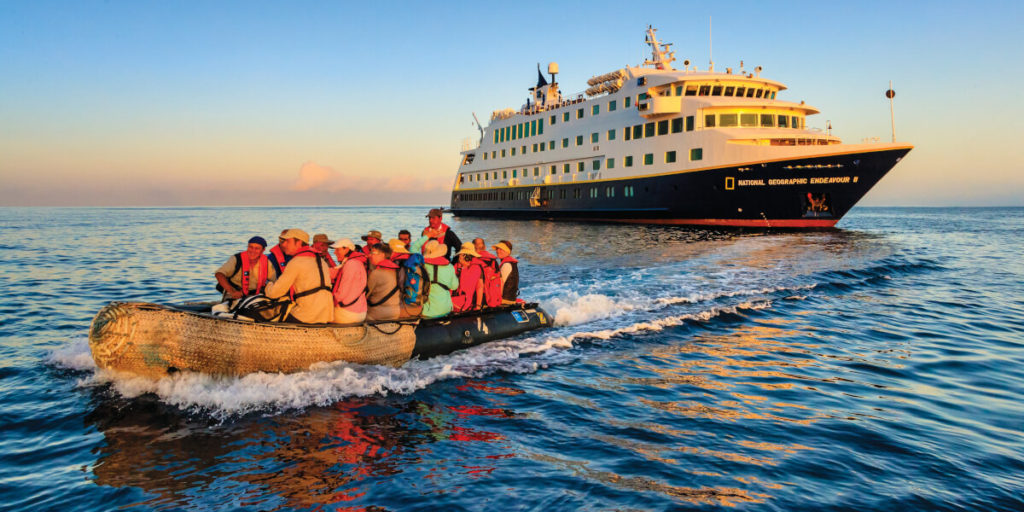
x=439 y=300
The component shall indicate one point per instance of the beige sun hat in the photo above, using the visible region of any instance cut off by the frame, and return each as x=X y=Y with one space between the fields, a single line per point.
x=433 y=249
x=374 y=234
x=470 y=249
x=397 y=246
x=295 y=233
x=344 y=242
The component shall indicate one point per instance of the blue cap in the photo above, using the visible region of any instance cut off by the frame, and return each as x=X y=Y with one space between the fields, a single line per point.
x=258 y=240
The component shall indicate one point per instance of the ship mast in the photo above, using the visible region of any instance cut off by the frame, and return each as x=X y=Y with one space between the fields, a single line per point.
x=661 y=57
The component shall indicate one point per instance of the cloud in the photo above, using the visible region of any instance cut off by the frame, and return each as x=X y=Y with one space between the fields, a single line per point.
x=319 y=178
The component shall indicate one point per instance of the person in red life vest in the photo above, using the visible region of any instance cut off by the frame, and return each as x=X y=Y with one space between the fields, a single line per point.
x=406 y=237
x=247 y=272
x=320 y=245
x=469 y=269
x=509 y=268
x=278 y=258
x=399 y=254
x=441 y=232
x=349 y=283
x=382 y=292
x=492 y=276
x=306 y=279
x=372 y=238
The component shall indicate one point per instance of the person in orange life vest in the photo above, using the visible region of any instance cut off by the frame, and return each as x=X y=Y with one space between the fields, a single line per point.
x=509 y=268
x=278 y=258
x=382 y=291
x=320 y=245
x=441 y=232
x=400 y=253
x=372 y=238
x=405 y=236
x=492 y=276
x=306 y=279
x=349 y=283
x=469 y=269
x=247 y=272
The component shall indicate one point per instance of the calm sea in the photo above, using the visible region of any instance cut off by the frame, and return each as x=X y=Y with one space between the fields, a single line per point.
x=876 y=367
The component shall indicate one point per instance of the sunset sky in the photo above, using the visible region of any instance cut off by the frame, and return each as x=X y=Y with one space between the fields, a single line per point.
x=139 y=103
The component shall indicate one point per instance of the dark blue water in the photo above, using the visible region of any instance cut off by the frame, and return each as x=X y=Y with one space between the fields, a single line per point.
x=877 y=367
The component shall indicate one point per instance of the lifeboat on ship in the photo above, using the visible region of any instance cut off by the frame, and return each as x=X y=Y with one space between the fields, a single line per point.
x=154 y=341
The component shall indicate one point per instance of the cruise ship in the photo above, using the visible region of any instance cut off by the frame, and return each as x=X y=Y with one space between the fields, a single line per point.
x=657 y=145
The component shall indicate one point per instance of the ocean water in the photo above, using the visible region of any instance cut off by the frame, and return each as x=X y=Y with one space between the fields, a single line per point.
x=879 y=366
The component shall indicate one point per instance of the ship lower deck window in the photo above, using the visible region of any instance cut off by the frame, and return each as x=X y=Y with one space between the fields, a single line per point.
x=504 y=175
x=553 y=169
x=609 y=163
x=670 y=157
x=593 y=192
x=536 y=171
x=627 y=161
x=648 y=158
x=576 y=193
x=580 y=167
x=609 y=191
x=515 y=172
x=627 y=191
x=565 y=168
x=696 y=154
x=596 y=164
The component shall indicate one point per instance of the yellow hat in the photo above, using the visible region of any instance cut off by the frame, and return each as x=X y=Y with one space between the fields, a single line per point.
x=502 y=246
x=468 y=248
x=397 y=246
x=432 y=249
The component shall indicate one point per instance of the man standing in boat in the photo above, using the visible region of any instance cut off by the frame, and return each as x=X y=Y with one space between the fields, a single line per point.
x=441 y=232
x=306 y=280
x=247 y=272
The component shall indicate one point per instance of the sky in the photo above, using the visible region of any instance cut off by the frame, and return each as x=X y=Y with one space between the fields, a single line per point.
x=146 y=103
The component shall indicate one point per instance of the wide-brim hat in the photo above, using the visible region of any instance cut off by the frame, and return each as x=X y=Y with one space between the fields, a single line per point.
x=344 y=242
x=374 y=234
x=297 y=234
x=502 y=246
x=321 y=237
x=397 y=246
x=433 y=249
x=434 y=212
x=468 y=248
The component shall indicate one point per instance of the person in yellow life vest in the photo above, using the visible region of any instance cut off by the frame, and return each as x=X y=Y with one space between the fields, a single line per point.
x=306 y=279
x=247 y=272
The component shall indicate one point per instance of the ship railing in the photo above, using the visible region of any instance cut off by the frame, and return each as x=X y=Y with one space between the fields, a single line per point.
x=568 y=100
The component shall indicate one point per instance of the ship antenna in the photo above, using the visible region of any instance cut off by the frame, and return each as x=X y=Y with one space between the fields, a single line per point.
x=892 y=118
x=478 y=127
x=711 y=59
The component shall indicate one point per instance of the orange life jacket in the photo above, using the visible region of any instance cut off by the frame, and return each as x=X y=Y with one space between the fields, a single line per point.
x=263 y=270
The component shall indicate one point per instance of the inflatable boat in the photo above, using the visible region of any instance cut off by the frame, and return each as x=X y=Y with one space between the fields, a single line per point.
x=154 y=341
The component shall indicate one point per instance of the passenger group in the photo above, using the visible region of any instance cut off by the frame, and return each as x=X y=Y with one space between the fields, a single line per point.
x=378 y=281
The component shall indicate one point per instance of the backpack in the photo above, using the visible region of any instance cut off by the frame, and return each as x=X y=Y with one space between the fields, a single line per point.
x=415 y=289
x=492 y=283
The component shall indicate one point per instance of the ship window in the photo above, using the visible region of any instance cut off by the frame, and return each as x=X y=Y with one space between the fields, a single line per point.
x=670 y=157
x=611 y=134
x=542 y=145
x=540 y=127
x=696 y=154
x=593 y=192
x=576 y=193
x=767 y=120
x=626 y=132
x=642 y=96
x=638 y=131
x=773 y=95
x=627 y=191
x=552 y=119
x=689 y=123
x=679 y=90
x=579 y=113
x=595 y=110
x=748 y=119
x=536 y=171
x=534 y=147
x=610 y=163
x=609 y=191
x=551 y=144
x=504 y=175
x=594 y=137
x=716 y=90
x=691 y=90
x=565 y=117
x=750 y=92
x=533 y=128
x=523 y=150
x=565 y=168
x=758 y=93
x=503 y=153
x=462 y=179
x=553 y=169
x=783 y=121
x=521 y=130
x=626 y=101
x=663 y=127
x=561 y=194
x=740 y=91
x=611 y=106
x=579 y=140
x=596 y=165
x=565 y=142
x=726 y=120
x=641 y=81
x=627 y=161
x=649 y=159
x=515 y=172
x=649 y=130
x=709 y=121
x=705 y=90
x=677 y=125
x=580 y=167
x=730 y=90
x=496 y=138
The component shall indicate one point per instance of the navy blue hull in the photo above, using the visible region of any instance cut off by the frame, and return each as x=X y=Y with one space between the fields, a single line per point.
x=798 y=193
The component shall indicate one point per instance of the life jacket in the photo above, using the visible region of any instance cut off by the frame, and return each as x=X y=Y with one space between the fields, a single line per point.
x=510 y=291
x=329 y=259
x=325 y=283
x=386 y=264
x=438 y=262
x=468 y=297
x=263 y=269
x=278 y=258
x=415 y=287
x=355 y=257
x=492 y=280
x=442 y=230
